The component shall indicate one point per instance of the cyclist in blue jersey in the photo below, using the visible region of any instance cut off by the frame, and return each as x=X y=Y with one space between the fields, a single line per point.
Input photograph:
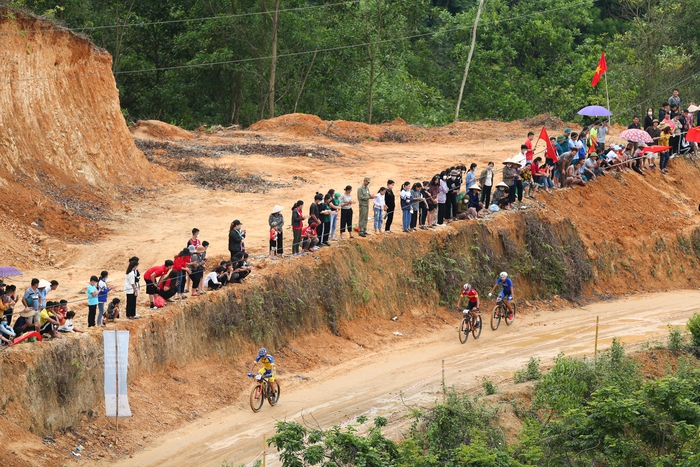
x=507 y=293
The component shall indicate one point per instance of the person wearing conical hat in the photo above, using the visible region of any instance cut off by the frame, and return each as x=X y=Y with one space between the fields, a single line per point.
x=276 y=221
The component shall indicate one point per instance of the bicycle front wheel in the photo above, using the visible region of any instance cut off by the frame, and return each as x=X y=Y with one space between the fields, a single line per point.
x=256 y=398
x=496 y=317
x=464 y=331
x=273 y=397
x=476 y=331
x=510 y=317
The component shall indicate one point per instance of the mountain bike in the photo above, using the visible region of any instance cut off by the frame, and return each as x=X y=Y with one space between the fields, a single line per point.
x=470 y=323
x=262 y=391
x=501 y=311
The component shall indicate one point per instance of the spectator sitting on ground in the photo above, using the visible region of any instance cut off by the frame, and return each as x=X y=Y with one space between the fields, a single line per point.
x=113 y=309
x=474 y=204
x=573 y=175
x=67 y=325
x=48 y=323
x=7 y=334
x=592 y=168
x=25 y=323
x=212 y=279
x=309 y=238
x=500 y=196
x=241 y=268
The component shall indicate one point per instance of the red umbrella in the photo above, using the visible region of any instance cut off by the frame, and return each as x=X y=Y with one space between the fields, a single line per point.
x=656 y=149
x=693 y=135
x=636 y=136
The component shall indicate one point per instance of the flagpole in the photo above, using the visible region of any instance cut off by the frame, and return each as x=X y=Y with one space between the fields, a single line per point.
x=607 y=96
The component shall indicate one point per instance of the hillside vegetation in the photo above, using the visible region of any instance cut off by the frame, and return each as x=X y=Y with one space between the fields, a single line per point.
x=192 y=62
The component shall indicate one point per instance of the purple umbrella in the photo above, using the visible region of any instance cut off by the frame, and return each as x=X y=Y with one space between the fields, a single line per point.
x=9 y=271
x=595 y=111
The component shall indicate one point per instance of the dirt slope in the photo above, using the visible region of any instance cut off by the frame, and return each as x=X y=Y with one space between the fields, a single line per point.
x=65 y=151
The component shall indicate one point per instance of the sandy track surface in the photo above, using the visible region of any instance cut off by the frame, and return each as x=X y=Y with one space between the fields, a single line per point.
x=409 y=374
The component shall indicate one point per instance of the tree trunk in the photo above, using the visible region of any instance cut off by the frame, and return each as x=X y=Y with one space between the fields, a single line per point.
x=273 y=61
x=303 y=82
x=237 y=99
x=469 y=59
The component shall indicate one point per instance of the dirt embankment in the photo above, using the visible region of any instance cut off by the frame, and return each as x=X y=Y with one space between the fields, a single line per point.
x=67 y=156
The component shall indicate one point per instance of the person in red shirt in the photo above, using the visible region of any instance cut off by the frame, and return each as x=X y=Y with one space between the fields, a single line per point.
x=472 y=296
x=309 y=237
x=153 y=276
x=181 y=265
x=167 y=286
x=530 y=152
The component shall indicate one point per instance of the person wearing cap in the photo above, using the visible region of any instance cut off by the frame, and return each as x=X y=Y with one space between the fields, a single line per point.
x=235 y=238
x=654 y=130
x=276 y=221
x=591 y=168
x=153 y=277
x=363 y=197
x=25 y=323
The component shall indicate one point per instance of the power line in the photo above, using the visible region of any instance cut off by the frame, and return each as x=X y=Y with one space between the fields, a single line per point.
x=293 y=54
x=659 y=92
x=175 y=21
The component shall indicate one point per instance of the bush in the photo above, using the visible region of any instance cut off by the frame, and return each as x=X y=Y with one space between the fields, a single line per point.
x=694 y=328
x=489 y=387
x=530 y=372
x=676 y=339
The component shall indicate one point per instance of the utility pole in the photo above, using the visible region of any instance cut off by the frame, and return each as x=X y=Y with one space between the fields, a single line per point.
x=469 y=59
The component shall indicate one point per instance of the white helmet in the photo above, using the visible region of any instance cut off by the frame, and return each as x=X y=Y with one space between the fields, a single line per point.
x=504 y=275
x=467 y=287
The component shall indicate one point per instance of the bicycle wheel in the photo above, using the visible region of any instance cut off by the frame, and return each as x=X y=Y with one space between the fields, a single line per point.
x=273 y=398
x=476 y=331
x=512 y=316
x=496 y=317
x=256 y=398
x=464 y=331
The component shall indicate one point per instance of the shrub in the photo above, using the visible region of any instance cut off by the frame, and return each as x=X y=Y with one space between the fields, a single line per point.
x=676 y=340
x=694 y=328
x=530 y=372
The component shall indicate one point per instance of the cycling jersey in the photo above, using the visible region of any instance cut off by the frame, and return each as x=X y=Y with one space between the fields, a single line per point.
x=507 y=285
x=472 y=295
x=266 y=361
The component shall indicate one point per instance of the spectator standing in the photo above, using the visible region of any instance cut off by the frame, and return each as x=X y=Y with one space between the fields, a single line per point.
x=486 y=181
x=434 y=190
x=181 y=264
x=277 y=220
x=325 y=211
x=470 y=178
x=194 y=239
x=335 y=211
x=406 y=206
x=529 y=152
x=427 y=209
x=102 y=293
x=675 y=99
x=297 y=225
x=664 y=110
x=346 y=212
x=379 y=208
x=235 y=239
x=363 y=197
x=152 y=277
x=131 y=287
x=197 y=261
x=315 y=210
x=442 y=199
x=602 y=133
x=454 y=186
x=92 y=294
x=32 y=299
x=635 y=125
x=273 y=240
x=390 y=202
x=509 y=179
x=648 y=118
x=416 y=202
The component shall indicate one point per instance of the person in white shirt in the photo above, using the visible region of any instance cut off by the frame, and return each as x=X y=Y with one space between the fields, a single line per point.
x=379 y=208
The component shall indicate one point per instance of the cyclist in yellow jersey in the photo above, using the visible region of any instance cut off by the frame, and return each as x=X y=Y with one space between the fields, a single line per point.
x=268 y=369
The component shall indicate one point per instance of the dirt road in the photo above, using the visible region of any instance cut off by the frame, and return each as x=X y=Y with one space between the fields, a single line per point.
x=372 y=385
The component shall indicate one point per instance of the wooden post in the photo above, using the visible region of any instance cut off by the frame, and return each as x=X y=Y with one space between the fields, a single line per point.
x=469 y=59
x=444 y=390
x=595 y=348
x=116 y=361
x=264 y=452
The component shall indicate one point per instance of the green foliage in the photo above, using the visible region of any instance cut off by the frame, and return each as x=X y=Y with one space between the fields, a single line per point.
x=405 y=56
x=530 y=372
x=693 y=326
x=489 y=387
x=676 y=339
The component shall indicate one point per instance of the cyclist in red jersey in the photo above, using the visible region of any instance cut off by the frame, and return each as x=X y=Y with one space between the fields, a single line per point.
x=472 y=296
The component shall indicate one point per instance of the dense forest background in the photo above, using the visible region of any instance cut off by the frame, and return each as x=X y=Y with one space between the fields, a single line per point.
x=193 y=62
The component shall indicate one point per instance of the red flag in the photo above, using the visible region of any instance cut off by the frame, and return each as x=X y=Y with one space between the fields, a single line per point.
x=600 y=69
x=551 y=152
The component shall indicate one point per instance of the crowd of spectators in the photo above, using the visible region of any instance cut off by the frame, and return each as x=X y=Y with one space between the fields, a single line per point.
x=456 y=193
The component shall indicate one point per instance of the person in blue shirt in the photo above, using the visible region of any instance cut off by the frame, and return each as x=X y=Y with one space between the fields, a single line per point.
x=507 y=292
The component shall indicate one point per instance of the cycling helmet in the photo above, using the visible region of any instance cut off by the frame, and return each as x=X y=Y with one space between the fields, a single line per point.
x=467 y=287
x=262 y=352
x=504 y=275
